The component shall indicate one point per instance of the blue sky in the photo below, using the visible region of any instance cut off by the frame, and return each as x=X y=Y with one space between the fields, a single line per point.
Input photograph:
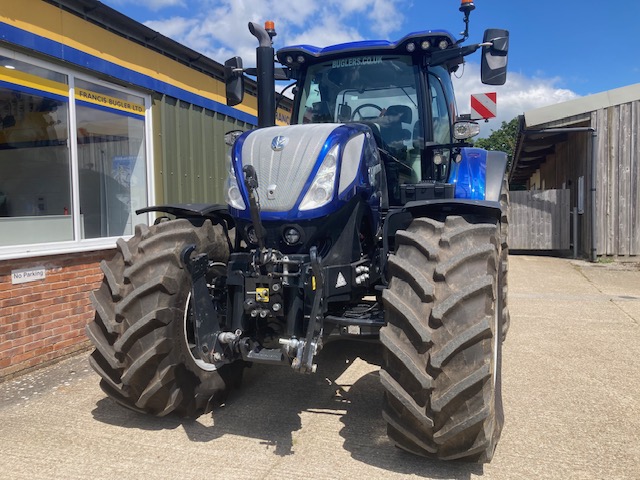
x=559 y=49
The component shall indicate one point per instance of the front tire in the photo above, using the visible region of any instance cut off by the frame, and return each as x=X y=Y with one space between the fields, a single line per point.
x=442 y=342
x=504 y=240
x=142 y=350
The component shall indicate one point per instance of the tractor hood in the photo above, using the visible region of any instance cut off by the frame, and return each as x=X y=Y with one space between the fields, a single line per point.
x=304 y=171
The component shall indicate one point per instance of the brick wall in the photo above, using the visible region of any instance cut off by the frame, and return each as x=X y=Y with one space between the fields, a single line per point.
x=44 y=320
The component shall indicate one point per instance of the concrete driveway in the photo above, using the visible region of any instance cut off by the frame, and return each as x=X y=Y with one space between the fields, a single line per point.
x=571 y=379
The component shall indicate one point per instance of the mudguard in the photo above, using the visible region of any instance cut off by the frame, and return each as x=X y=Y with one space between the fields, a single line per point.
x=196 y=213
x=478 y=178
x=479 y=174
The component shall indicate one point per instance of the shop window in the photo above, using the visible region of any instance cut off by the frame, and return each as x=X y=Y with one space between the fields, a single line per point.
x=57 y=194
x=111 y=159
x=35 y=175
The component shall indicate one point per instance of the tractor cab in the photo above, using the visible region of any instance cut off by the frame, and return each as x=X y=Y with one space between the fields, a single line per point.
x=391 y=87
x=401 y=90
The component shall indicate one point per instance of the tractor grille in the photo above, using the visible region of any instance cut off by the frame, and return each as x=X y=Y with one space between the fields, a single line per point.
x=282 y=174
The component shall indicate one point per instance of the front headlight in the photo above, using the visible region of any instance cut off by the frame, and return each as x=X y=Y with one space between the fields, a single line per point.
x=321 y=191
x=233 y=196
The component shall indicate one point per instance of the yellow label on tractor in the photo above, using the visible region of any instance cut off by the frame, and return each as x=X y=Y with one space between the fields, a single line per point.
x=262 y=295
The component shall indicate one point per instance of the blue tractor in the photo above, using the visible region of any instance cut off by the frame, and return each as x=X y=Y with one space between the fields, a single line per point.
x=368 y=217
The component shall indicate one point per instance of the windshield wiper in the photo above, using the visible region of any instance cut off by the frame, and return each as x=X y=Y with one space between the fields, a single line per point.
x=409 y=97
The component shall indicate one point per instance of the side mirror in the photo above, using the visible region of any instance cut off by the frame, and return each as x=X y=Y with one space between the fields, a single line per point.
x=494 y=56
x=234 y=81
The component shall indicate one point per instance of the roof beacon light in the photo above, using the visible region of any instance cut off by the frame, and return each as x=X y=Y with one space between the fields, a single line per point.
x=270 y=27
x=467 y=6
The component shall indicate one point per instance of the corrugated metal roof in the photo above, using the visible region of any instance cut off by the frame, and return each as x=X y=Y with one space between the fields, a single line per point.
x=535 y=139
x=579 y=106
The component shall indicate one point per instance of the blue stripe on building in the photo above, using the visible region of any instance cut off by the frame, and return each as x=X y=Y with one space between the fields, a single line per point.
x=33 y=91
x=58 y=50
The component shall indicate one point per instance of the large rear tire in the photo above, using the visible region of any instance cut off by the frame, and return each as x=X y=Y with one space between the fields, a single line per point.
x=442 y=341
x=142 y=347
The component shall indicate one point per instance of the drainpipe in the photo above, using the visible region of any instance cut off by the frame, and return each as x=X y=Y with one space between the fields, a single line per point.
x=594 y=170
x=593 y=256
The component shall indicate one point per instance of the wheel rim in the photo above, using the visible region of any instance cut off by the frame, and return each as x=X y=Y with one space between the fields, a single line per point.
x=188 y=338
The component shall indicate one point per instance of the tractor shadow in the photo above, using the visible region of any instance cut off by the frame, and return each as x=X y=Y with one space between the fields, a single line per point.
x=365 y=436
x=273 y=402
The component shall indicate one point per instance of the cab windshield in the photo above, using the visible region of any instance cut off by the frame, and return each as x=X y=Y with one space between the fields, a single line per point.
x=378 y=90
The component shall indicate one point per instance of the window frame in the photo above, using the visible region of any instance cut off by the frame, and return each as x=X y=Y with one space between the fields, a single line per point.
x=78 y=244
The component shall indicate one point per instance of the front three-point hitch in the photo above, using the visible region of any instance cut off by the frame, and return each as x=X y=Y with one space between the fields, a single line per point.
x=259 y=279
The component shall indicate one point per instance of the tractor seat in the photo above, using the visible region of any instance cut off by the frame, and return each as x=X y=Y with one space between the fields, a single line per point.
x=392 y=130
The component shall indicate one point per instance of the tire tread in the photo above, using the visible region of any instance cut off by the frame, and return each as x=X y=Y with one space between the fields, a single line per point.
x=141 y=353
x=446 y=336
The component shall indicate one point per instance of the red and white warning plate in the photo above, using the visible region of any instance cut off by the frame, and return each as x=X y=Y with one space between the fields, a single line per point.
x=483 y=105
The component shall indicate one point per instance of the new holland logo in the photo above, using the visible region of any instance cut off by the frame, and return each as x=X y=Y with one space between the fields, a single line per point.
x=279 y=142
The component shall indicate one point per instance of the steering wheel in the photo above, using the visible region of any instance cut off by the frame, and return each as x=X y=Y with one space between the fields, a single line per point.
x=364 y=105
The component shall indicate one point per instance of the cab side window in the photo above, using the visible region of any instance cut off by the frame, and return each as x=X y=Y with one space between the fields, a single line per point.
x=440 y=121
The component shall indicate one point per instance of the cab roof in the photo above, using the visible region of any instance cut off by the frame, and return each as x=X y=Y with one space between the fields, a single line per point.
x=413 y=44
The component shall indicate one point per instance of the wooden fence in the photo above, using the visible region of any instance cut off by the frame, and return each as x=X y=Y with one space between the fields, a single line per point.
x=539 y=220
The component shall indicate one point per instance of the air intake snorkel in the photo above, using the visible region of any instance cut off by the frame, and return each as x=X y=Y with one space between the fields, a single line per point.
x=265 y=73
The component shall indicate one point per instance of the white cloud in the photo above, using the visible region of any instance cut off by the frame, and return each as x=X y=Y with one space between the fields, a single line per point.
x=517 y=96
x=380 y=16
x=160 y=4
x=218 y=29
x=386 y=16
x=153 y=5
x=175 y=27
x=328 y=32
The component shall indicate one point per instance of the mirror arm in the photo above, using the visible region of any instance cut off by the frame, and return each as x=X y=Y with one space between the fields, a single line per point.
x=469 y=49
x=444 y=56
